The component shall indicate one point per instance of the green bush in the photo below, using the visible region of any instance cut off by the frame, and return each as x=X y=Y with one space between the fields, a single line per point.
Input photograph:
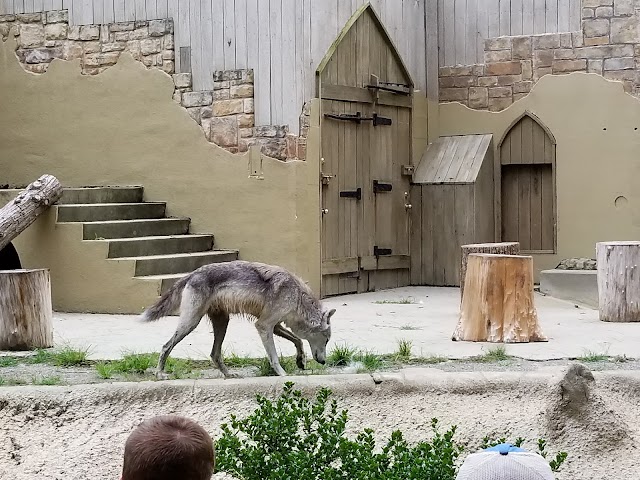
x=292 y=437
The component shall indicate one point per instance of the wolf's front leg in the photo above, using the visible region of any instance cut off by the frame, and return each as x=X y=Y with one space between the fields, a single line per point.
x=266 y=335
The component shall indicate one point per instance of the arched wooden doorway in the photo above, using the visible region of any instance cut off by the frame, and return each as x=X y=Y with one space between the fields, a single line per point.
x=528 y=187
x=366 y=94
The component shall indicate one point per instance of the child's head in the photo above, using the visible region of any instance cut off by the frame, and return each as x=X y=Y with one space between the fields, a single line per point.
x=505 y=462
x=168 y=447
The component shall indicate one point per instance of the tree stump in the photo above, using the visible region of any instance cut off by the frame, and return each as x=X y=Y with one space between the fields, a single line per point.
x=23 y=210
x=498 y=303
x=618 y=265
x=25 y=310
x=503 y=248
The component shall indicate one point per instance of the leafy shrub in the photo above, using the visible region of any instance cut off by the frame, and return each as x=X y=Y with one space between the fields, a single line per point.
x=292 y=437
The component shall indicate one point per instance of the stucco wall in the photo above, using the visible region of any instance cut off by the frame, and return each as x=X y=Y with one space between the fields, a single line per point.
x=122 y=127
x=597 y=129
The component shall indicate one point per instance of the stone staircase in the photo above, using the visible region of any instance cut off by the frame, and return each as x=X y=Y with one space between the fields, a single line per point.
x=161 y=248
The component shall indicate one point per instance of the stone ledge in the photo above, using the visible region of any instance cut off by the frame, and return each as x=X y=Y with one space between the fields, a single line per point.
x=579 y=286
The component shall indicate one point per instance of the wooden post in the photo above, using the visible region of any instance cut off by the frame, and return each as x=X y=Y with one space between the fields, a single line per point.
x=25 y=310
x=503 y=248
x=23 y=210
x=618 y=265
x=498 y=303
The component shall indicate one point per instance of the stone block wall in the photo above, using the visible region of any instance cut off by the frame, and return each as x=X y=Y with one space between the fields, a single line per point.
x=226 y=114
x=41 y=37
x=609 y=45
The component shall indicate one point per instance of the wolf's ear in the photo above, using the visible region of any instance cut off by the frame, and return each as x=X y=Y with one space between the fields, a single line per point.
x=328 y=315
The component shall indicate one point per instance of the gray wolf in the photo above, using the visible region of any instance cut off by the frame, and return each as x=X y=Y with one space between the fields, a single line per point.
x=268 y=293
x=167 y=447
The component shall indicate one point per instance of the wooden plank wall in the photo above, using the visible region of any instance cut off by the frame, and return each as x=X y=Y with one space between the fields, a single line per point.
x=282 y=40
x=463 y=25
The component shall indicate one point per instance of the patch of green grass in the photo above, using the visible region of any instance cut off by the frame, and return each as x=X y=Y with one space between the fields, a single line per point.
x=236 y=361
x=341 y=355
x=370 y=360
x=41 y=356
x=179 y=367
x=105 y=369
x=404 y=349
x=494 y=354
x=136 y=362
x=46 y=380
x=591 y=356
x=69 y=357
x=2 y=381
x=401 y=301
x=287 y=363
x=8 y=362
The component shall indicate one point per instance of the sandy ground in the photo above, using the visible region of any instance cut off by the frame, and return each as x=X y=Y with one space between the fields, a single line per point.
x=362 y=322
x=79 y=432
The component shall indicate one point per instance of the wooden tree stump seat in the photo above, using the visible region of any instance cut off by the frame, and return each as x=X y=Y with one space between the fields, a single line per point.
x=503 y=248
x=618 y=266
x=25 y=309
x=498 y=302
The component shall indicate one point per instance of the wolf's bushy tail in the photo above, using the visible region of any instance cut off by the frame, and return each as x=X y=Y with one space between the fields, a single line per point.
x=167 y=302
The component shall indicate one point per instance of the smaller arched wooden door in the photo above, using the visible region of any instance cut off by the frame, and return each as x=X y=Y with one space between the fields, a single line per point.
x=366 y=94
x=528 y=187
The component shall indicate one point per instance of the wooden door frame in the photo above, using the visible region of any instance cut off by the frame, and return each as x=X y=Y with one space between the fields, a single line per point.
x=498 y=184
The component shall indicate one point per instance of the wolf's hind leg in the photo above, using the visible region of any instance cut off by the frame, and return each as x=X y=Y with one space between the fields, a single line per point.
x=219 y=321
x=263 y=325
x=191 y=312
x=281 y=331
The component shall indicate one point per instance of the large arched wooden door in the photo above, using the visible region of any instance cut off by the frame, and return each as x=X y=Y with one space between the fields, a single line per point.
x=366 y=140
x=528 y=190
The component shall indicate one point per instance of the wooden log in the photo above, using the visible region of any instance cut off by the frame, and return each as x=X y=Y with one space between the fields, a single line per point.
x=498 y=303
x=25 y=310
x=501 y=248
x=23 y=210
x=618 y=265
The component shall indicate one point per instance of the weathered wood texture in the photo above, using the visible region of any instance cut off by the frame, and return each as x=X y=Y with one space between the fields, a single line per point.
x=23 y=210
x=498 y=303
x=528 y=159
x=357 y=154
x=504 y=248
x=464 y=25
x=282 y=40
x=454 y=180
x=618 y=266
x=25 y=310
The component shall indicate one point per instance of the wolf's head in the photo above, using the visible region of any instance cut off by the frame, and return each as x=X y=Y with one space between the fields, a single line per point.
x=319 y=337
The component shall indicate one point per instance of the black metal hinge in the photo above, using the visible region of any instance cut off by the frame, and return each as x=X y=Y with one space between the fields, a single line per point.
x=357 y=194
x=398 y=91
x=377 y=252
x=358 y=118
x=381 y=187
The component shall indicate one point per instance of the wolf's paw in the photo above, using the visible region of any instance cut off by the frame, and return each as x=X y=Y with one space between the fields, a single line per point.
x=301 y=362
x=162 y=375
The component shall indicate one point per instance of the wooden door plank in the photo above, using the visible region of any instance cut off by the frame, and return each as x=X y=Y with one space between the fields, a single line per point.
x=527 y=140
x=464 y=234
x=200 y=77
x=564 y=16
x=362 y=48
x=471 y=40
x=162 y=8
x=229 y=28
x=336 y=266
x=483 y=29
x=440 y=22
x=505 y=151
x=253 y=45
x=517 y=144
x=242 y=47
x=366 y=222
x=538 y=144
x=151 y=11
x=549 y=150
x=539 y=14
x=449 y=45
x=300 y=69
x=441 y=173
x=575 y=15
x=439 y=234
x=263 y=76
x=415 y=238
x=551 y=17
x=505 y=17
x=394 y=262
x=289 y=87
x=548 y=214
x=467 y=147
x=536 y=207
x=517 y=13
x=141 y=9
x=510 y=203
x=460 y=7
x=527 y=17
x=275 y=21
x=206 y=58
x=493 y=13
x=524 y=207
x=427 y=231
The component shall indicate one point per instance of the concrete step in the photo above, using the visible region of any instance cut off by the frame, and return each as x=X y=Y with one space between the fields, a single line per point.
x=135 y=228
x=110 y=211
x=166 y=281
x=159 y=245
x=101 y=195
x=180 y=262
